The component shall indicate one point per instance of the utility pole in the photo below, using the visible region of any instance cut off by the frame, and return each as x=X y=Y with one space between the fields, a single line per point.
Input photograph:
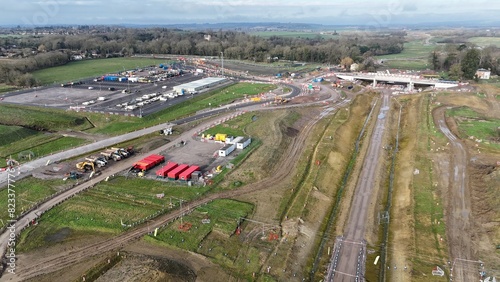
x=182 y=214
x=222 y=64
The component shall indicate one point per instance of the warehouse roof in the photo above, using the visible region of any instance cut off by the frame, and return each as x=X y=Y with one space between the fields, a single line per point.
x=201 y=83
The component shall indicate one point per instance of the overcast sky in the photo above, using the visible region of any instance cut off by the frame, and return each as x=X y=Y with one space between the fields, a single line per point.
x=332 y=12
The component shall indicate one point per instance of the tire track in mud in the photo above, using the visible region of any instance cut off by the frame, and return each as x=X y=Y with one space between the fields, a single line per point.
x=459 y=207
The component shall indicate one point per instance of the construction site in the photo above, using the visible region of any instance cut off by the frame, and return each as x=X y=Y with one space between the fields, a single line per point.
x=331 y=181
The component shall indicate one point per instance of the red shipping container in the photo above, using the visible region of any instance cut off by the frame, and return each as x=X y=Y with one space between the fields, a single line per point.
x=174 y=174
x=186 y=175
x=166 y=169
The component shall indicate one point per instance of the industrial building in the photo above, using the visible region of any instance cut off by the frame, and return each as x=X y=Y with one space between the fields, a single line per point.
x=198 y=85
x=226 y=150
x=243 y=143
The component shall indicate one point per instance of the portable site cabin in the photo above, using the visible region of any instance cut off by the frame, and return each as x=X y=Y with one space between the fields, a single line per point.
x=226 y=150
x=235 y=140
x=186 y=175
x=243 y=143
x=162 y=172
x=174 y=174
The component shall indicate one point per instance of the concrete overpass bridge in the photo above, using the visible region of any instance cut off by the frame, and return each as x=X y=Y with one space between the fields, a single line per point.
x=409 y=80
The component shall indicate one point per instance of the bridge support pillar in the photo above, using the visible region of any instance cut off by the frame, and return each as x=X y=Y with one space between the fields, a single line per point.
x=411 y=86
x=374 y=83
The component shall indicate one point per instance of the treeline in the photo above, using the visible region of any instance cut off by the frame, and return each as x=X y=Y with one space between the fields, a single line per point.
x=235 y=45
x=462 y=61
x=18 y=72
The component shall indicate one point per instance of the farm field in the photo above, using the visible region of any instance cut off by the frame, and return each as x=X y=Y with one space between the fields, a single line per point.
x=414 y=56
x=105 y=207
x=485 y=41
x=90 y=68
x=293 y=34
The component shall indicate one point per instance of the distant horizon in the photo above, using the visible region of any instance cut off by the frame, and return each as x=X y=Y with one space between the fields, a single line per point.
x=444 y=24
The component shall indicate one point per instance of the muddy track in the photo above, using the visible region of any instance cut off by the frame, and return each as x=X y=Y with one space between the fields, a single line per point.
x=458 y=216
x=281 y=172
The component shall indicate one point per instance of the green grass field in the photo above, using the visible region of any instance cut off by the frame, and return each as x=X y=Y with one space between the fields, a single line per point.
x=214 y=240
x=414 y=56
x=6 y=88
x=90 y=68
x=42 y=118
x=117 y=124
x=485 y=41
x=223 y=214
x=470 y=123
x=293 y=34
x=9 y=134
x=101 y=208
x=29 y=191
x=232 y=127
x=15 y=140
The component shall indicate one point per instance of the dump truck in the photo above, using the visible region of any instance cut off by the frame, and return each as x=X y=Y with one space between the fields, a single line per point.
x=111 y=154
x=122 y=152
x=99 y=161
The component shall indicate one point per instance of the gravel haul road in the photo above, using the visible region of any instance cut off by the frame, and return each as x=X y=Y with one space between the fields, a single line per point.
x=459 y=208
x=348 y=258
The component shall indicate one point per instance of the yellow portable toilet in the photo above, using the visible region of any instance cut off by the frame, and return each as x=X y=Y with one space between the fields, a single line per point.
x=220 y=137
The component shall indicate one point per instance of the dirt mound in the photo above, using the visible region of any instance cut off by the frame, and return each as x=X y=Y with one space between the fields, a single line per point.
x=148 y=269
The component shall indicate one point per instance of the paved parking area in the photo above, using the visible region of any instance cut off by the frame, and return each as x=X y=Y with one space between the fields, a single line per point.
x=77 y=97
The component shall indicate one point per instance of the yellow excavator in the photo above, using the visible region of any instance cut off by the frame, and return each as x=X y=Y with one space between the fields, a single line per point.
x=85 y=166
x=280 y=100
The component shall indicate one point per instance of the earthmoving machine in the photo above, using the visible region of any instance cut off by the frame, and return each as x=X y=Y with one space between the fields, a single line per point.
x=111 y=154
x=278 y=100
x=85 y=166
x=122 y=152
x=99 y=161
